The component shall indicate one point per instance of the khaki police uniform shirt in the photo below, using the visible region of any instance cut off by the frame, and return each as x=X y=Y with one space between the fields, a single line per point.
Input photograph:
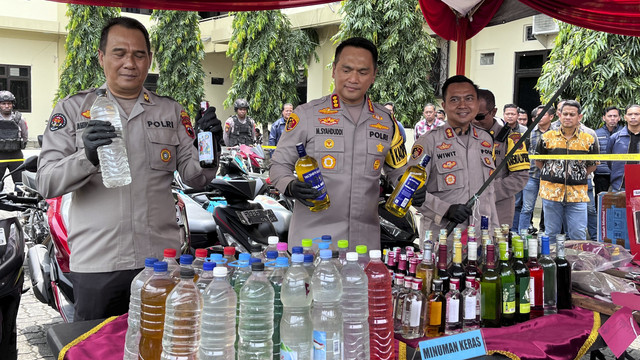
x=116 y=229
x=456 y=171
x=351 y=155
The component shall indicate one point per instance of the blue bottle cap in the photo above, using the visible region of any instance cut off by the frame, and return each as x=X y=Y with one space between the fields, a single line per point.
x=160 y=266
x=244 y=257
x=308 y=258
x=282 y=261
x=297 y=250
x=298 y=258
x=254 y=260
x=186 y=259
x=208 y=266
x=484 y=222
x=148 y=262
x=326 y=254
x=326 y=238
x=545 y=246
x=272 y=254
x=323 y=245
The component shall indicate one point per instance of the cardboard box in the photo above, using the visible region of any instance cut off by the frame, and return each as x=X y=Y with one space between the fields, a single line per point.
x=612 y=218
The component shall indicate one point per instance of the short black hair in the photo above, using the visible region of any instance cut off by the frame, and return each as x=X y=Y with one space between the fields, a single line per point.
x=488 y=98
x=126 y=22
x=510 y=106
x=521 y=110
x=572 y=103
x=537 y=109
x=358 y=42
x=631 y=106
x=611 y=108
x=390 y=103
x=440 y=111
x=455 y=80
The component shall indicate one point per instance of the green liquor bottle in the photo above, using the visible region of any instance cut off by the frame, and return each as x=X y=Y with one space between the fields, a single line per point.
x=523 y=303
x=490 y=292
x=508 y=281
x=549 y=268
x=564 y=275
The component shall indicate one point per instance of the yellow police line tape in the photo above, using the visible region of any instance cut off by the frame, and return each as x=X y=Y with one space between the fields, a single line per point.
x=268 y=147
x=11 y=160
x=595 y=157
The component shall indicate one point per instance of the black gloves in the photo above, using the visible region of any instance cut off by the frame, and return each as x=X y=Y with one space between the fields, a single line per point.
x=458 y=213
x=302 y=192
x=419 y=196
x=96 y=134
x=209 y=122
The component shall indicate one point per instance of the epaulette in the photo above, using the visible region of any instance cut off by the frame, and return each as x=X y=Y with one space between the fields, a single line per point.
x=81 y=92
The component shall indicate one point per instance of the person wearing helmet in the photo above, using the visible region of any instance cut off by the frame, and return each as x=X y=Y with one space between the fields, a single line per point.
x=239 y=128
x=13 y=137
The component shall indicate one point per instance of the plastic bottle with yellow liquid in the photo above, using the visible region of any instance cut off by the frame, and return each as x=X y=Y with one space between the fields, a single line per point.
x=309 y=172
x=414 y=178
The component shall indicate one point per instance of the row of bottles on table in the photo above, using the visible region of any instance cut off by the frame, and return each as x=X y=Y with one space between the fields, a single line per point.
x=506 y=289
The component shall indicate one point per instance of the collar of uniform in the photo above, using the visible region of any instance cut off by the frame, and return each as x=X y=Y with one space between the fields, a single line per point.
x=336 y=103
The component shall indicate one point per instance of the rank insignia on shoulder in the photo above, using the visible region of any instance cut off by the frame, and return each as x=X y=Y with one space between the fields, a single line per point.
x=475 y=134
x=335 y=101
x=327 y=111
x=86 y=114
x=146 y=97
x=370 y=104
x=449 y=133
x=444 y=146
x=292 y=122
x=57 y=122
x=186 y=121
x=416 y=151
x=165 y=155
x=379 y=126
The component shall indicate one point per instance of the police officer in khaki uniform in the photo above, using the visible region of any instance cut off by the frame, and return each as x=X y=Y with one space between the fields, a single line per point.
x=352 y=139
x=112 y=231
x=514 y=176
x=461 y=161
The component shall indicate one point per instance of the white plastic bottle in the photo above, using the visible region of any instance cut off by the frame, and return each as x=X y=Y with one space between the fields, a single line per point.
x=181 y=338
x=326 y=284
x=133 y=330
x=114 y=163
x=296 y=329
x=355 y=309
x=255 y=328
x=218 y=329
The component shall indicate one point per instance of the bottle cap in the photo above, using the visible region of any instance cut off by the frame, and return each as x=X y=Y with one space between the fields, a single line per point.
x=335 y=254
x=418 y=282
x=255 y=248
x=229 y=251
x=272 y=240
x=297 y=258
x=560 y=237
x=308 y=258
x=323 y=245
x=400 y=276
x=307 y=242
x=352 y=256
x=297 y=250
x=545 y=246
x=148 y=262
x=375 y=254
x=208 y=266
x=187 y=272
x=254 y=260
x=160 y=266
x=220 y=271
x=361 y=249
x=343 y=244
x=258 y=266
x=272 y=254
x=186 y=259
x=282 y=246
x=217 y=258
x=169 y=253
x=282 y=261
x=326 y=238
x=244 y=257
x=201 y=253
x=326 y=254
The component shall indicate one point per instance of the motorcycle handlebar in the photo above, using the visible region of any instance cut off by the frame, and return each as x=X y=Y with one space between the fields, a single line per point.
x=22 y=199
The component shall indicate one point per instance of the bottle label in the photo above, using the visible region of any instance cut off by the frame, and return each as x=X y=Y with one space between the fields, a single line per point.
x=314 y=177
x=319 y=345
x=470 y=307
x=205 y=146
x=435 y=313
x=416 y=309
x=525 y=305
x=286 y=353
x=532 y=292
x=453 y=310
x=509 y=298
x=406 y=192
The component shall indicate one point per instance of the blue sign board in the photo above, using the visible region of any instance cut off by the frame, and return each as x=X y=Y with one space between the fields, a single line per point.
x=461 y=346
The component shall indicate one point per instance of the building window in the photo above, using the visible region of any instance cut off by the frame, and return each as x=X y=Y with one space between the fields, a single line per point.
x=487 y=58
x=528 y=33
x=17 y=79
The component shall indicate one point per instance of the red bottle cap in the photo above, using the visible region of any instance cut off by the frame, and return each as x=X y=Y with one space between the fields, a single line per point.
x=229 y=250
x=169 y=253
x=202 y=253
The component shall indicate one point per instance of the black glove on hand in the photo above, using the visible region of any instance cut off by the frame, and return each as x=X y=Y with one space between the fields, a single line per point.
x=209 y=122
x=418 y=196
x=458 y=213
x=302 y=192
x=96 y=134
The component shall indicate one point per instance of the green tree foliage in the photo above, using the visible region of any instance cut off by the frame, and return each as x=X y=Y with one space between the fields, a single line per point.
x=406 y=52
x=267 y=57
x=178 y=55
x=81 y=69
x=612 y=81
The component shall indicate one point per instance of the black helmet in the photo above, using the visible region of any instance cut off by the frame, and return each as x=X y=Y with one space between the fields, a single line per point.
x=240 y=104
x=7 y=96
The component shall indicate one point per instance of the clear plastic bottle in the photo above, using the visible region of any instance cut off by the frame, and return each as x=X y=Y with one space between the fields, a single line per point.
x=297 y=250
x=307 y=247
x=181 y=338
x=296 y=328
x=283 y=250
x=218 y=328
x=276 y=277
x=272 y=245
x=380 y=311
x=322 y=245
x=256 y=252
x=170 y=259
x=326 y=284
x=201 y=257
x=220 y=261
x=270 y=261
x=229 y=256
x=308 y=263
x=206 y=276
x=133 y=330
x=363 y=257
x=186 y=261
x=242 y=268
x=153 y=299
x=343 y=248
x=255 y=328
x=412 y=320
x=335 y=257
x=355 y=309
x=241 y=277
x=114 y=163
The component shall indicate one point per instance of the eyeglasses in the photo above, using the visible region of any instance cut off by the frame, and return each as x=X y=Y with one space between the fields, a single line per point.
x=482 y=116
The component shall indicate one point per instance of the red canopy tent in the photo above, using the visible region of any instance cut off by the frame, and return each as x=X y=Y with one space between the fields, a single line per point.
x=457 y=20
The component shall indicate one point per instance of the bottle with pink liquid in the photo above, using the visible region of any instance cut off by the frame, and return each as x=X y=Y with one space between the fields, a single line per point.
x=380 y=308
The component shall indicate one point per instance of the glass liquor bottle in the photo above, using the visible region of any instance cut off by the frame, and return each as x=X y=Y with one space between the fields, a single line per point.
x=490 y=291
x=413 y=265
x=398 y=310
x=472 y=261
x=550 y=270
x=435 y=311
x=442 y=272
x=453 y=320
x=508 y=283
x=308 y=171
x=564 y=275
x=523 y=304
x=425 y=270
x=412 y=320
x=402 y=265
x=536 y=283
x=412 y=179
x=524 y=235
x=455 y=269
x=398 y=287
x=470 y=305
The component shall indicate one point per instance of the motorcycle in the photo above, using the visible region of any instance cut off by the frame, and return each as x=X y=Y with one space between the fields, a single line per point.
x=34 y=219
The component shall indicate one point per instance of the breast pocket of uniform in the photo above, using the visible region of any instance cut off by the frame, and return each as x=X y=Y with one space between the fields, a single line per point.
x=329 y=152
x=450 y=174
x=488 y=167
x=162 y=149
x=376 y=151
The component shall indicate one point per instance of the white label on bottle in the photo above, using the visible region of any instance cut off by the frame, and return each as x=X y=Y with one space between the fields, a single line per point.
x=532 y=293
x=416 y=312
x=453 y=310
x=205 y=146
x=470 y=307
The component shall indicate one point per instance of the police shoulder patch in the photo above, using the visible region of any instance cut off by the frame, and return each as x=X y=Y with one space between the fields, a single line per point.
x=292 y=122
x=186 y=121
x=57 y=121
